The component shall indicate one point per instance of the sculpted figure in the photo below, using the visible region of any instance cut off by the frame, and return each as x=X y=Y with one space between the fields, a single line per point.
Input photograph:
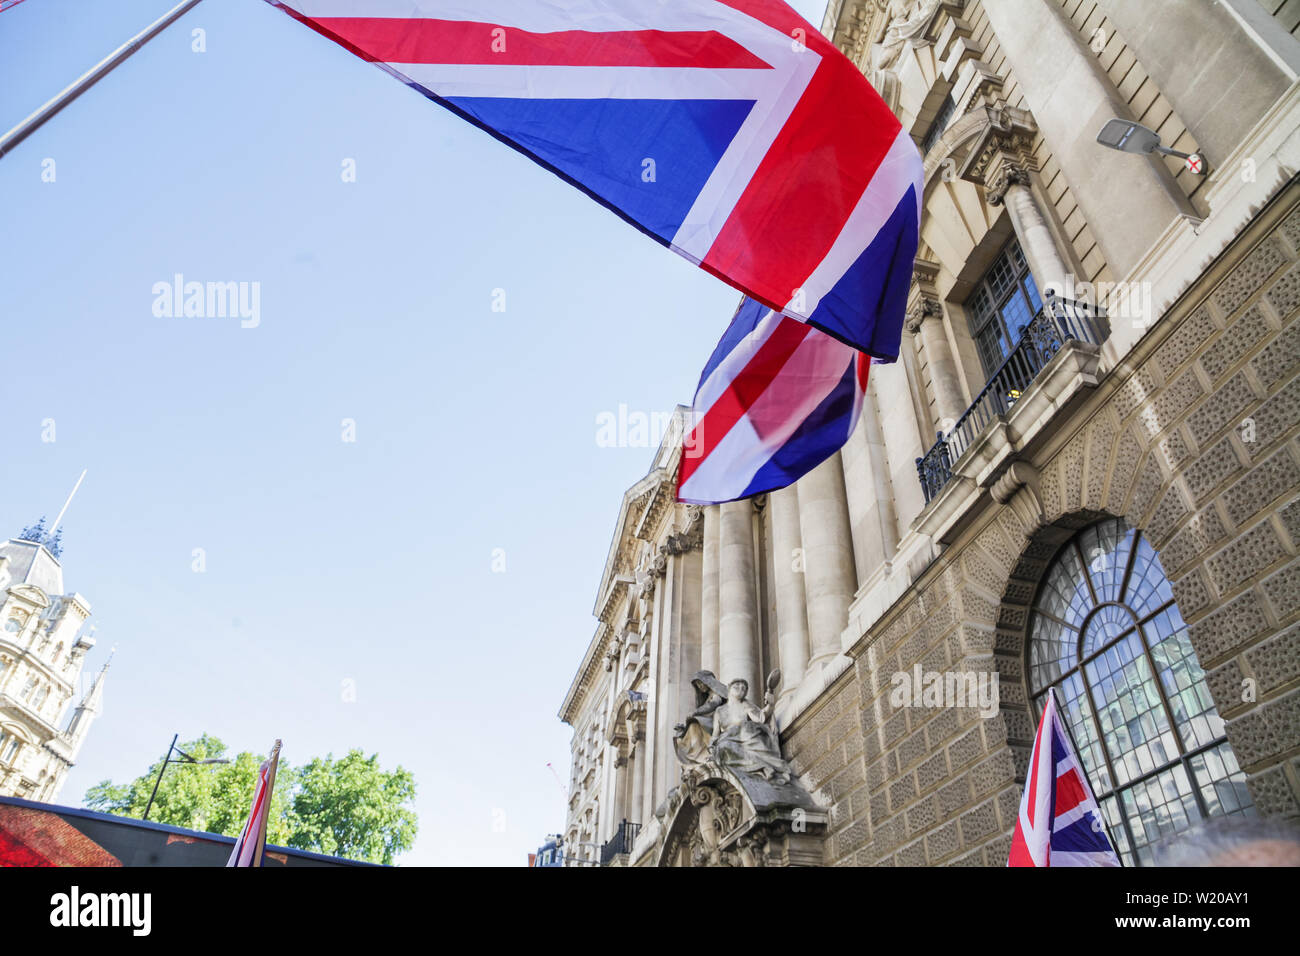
x=906 y=21
x=692 y=737
x=744 y=736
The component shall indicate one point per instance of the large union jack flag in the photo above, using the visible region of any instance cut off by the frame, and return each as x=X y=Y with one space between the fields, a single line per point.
x=1059 y=823
x=729 y=130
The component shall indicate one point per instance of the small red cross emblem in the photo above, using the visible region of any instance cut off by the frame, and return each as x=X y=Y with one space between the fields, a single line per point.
x=1195 y=164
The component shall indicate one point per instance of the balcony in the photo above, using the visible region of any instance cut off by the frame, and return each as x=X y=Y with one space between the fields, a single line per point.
x=621 y=842
x=1060 y=321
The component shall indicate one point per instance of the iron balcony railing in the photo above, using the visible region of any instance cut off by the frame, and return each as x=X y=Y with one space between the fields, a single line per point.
x=621 y=842
x=1060 y=320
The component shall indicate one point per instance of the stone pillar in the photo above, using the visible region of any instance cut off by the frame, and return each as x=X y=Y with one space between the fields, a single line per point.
x=925 y=319
x=872 y=519
x=709 y=598
x=882 y=484
x=646 y=787
x=738 y=653
x=830 y=578
x=791 y=603
x=621 y=779
x=635 y=780
x=677 y=656
x=1010 y=186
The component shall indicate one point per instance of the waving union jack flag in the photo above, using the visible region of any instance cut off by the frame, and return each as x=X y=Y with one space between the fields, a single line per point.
x=729 y=130
x=776 y=399
x=1060 y=823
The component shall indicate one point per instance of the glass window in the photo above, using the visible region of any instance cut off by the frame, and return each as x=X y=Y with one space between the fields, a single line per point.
x=1005 y=300
x=1106 y=636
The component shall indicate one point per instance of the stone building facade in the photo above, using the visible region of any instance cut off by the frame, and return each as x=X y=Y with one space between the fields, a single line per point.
x=43 y=647
x=1082 y=476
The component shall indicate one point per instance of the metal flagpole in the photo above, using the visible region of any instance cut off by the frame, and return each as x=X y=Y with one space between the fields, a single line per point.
x=1065 y=724
x=64 y=509
x=270 y=791
x=92 y=76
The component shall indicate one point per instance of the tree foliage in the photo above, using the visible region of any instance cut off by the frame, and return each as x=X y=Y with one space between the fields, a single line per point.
x=349 y=807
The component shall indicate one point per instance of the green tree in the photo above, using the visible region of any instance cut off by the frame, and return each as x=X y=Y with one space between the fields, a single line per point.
x=349 y=807
x=352 y=807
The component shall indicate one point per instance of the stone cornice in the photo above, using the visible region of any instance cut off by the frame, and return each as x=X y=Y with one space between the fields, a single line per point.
x=586 y=676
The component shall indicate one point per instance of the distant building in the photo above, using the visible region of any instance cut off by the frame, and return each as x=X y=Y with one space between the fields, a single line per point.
x=550 y=853
x=42 y=652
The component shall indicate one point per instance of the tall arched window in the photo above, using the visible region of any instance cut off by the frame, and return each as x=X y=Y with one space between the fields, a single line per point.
x=1105 y=635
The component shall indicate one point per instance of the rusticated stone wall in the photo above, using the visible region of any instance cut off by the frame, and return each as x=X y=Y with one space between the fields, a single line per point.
x=1195 y=439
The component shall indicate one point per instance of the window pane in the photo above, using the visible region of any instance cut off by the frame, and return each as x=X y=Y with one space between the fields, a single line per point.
x=1159 y=807
x=1148 y=587
x=1222 y=782
x=1016 y=313
x=1106 y=548
x=1183 y=680
x=1031 y=287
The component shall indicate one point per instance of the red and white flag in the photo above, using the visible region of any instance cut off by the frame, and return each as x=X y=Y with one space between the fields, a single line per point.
x=1060 y=823
x=252 y=840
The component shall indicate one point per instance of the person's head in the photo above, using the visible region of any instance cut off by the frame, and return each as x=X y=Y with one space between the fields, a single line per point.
x=737 y=689
x=1232 y=841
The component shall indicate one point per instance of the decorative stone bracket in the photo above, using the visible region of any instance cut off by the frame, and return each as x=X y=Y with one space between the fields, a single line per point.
x=719 y=818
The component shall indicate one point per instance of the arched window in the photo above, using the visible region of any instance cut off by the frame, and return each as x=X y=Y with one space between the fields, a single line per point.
x=1105 y=635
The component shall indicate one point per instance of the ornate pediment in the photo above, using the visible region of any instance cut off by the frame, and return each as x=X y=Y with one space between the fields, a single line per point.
x=31 y=594
x=716 y=817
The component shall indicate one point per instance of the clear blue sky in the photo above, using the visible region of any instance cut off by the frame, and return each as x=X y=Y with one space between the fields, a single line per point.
x=475 y=430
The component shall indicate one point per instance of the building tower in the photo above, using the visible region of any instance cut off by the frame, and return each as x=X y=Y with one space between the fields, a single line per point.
x=42 y=652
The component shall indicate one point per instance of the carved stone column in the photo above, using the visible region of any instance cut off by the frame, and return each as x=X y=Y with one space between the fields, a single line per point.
x=738 y=596
x=1002 y=161
x=830 y=578
x=677 y=654
x=710 y=595
x=791 y=600
x=925 y=320
x=867 y=480
x=1012 y=188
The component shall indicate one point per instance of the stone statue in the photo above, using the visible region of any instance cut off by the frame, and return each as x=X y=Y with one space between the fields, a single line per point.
x=745 y=738
x=692 y=738
x=726 y=728
x=906 y=20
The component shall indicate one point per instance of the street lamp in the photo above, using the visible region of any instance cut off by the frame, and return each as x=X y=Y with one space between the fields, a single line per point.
x=1130 y=137
x=184 y=758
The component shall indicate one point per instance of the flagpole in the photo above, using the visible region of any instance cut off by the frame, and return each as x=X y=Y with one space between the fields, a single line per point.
x=270 y=792
x=1060 y=713
x=92 y=76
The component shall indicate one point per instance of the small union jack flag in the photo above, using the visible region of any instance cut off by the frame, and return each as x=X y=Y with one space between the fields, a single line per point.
x=1060 y=823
